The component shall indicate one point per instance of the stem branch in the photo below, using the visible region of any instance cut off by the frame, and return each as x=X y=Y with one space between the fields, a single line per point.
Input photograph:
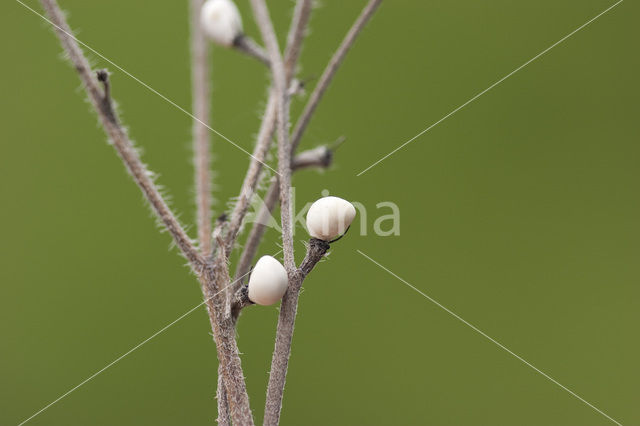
x=201 y=99
x=213 y=276
x=101 y=100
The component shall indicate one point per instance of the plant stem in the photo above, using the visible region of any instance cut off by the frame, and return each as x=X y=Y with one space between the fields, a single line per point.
x=224 y=416
x=246 y=45
x=294 y=41
x=201 y=100
x=320 y=157
x=284 y=333
x=252 y=177
x=296 y=35
x=215 y=278
x=284 y=153
x=102 y=103
x=212 y=276
x=288 y=308
x=258 y=229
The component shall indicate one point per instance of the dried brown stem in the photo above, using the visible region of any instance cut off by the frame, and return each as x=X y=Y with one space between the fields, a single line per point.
x=214 y=280
x=284 y=333
x=101 y=101
x=201 y=101
x=284 y=154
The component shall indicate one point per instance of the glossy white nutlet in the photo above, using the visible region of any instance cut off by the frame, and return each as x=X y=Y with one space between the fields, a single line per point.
x=268 y=281
x=329 y=217
x=221 y=21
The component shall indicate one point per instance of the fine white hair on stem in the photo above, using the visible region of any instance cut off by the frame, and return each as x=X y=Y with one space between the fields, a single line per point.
x=296 y=35
x=288 y=309
x=212 y=276
x=295 y=38
x=265 y=25
x=200 y=94
x=252 y=177
x=101 y=100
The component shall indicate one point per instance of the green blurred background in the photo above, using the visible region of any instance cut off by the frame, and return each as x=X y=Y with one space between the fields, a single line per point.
x=519 y=213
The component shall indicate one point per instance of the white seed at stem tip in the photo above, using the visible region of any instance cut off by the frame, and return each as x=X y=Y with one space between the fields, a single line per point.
x=329 y=217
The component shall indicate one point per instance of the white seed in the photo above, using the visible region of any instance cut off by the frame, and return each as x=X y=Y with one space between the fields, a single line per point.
x=268 y=281
x=221 y=21
x=329 y=217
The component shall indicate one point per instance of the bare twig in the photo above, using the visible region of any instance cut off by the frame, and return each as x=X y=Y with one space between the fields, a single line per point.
x=200 y=94
x=330 y=71
x=101 y=101
x=245 y=44
x=284 y=333
x=215 y=278
x=252 y=177
x=320 y=157
x=284 y=153
x=296 y=35
x=257 y=230
x=288 y=308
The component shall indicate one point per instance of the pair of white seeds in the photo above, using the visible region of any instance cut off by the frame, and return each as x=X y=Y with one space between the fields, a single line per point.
x=327 y=219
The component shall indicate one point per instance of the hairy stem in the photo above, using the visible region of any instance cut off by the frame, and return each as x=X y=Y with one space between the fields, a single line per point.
x=258 y=229
x=284 y=153
x=201 y=100
x=213 y=277
x=246 y=45
x=224 y=416
x=101 y=101
x=288 y=308
x=294 y=41
x=296 y=35
x=320 y=157
x=284 y=333
x=252 y=177
x=214 y=280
